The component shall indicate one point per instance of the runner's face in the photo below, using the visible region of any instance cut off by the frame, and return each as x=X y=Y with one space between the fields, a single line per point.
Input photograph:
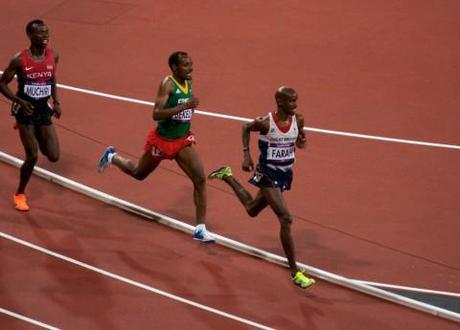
x=184 y=68
x=40 y=36
x=288 y=103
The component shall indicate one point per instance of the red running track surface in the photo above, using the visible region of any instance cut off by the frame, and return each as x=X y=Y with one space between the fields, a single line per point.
x=364 y=209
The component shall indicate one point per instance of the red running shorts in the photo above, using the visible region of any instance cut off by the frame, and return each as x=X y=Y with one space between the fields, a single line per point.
x=163 y=148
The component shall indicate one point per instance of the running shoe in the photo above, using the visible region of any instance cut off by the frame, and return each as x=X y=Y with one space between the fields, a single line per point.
x=220 y=173
x=203 y=236
x=303 y=281
x=106 y=159
x=20 y=202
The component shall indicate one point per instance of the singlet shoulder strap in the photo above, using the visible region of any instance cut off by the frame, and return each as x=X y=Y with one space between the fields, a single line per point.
x=24 y=56
x=184 y=89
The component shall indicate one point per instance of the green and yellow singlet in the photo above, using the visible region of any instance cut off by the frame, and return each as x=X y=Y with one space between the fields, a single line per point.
x=179 y=124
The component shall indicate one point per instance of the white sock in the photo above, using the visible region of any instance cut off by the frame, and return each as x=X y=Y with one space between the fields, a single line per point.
x=201 y=226
x=110 y=156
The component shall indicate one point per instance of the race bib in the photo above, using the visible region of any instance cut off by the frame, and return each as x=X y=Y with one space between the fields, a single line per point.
x=281 y=154
x=183 y=116
x=156 y=152
x=37 y=91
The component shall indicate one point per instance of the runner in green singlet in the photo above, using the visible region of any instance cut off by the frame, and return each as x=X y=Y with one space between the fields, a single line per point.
x=171 y=139
x=178 y=125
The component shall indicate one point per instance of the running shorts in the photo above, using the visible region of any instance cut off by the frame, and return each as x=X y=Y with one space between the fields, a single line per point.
x=266 y=177
x=41 y=115
x=163 y=148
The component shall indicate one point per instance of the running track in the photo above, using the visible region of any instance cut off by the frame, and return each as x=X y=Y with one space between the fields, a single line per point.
x=365 y=209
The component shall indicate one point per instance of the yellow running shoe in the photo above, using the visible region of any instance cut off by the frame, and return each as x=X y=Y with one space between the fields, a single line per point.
x=303 y=281
x=20 y=202
x=220 y=173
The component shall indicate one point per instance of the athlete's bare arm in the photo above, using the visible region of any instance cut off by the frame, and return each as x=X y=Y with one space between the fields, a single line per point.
x=13 y=67
x=260 y=124
x=159 y=111
x=301 y=142
x=56 y=101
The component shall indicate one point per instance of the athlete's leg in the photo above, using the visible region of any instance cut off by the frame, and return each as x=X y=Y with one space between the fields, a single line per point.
x=190 y=163
x=48 y=142
x=276 y=201
x=253 y=206
x=27 y=135
x=146 y=165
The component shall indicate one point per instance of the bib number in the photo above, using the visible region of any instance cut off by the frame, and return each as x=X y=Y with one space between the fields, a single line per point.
x=281 y=153
x=183 y=116
x=37 y=91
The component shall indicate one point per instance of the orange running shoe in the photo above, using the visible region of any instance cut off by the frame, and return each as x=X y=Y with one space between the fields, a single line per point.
x=20 y=202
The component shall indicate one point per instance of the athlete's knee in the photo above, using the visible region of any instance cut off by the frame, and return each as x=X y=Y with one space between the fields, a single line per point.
x=138 y=176
x=253 y=212
x=53 y=157
x=50 y=151
x=285 y=220
x=199 y=180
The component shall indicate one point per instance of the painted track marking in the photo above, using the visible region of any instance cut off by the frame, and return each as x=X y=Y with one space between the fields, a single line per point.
x=27 y=319
x=230 y=243
x=131 y=282
x=244 y=119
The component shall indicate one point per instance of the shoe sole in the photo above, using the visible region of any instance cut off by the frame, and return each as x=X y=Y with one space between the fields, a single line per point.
x=101 y=167
x=213 y=174
x=207 y=241
x=306 y=287
x=22 y=209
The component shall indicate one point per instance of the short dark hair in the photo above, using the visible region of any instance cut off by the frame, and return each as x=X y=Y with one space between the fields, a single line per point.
x=284 y=91
x=174 y=58
x=30 y=26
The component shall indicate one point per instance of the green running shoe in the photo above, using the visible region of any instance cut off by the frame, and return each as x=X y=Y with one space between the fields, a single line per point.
x=303 y=281
x=220 y=173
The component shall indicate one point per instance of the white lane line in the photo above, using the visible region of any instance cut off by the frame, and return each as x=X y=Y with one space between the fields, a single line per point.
x=238 y=118
x=311 y=129
x=27 y=319
x=409 y=288
x=106 y=95
x=384 y=139
x=132 y=282
x=232 y=244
